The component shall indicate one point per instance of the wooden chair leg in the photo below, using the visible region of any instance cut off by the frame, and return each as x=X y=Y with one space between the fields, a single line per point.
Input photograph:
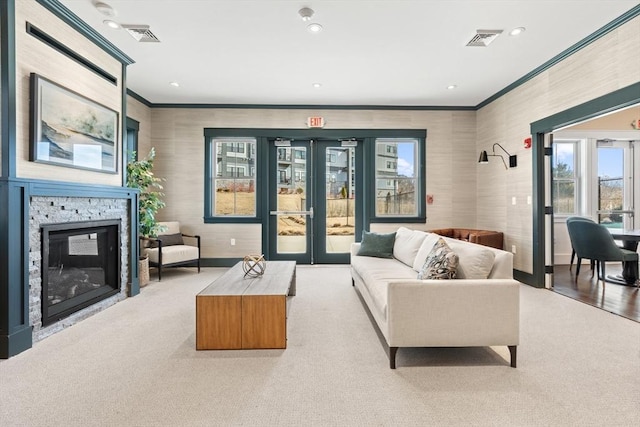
x=578 y=267
x=573 y=255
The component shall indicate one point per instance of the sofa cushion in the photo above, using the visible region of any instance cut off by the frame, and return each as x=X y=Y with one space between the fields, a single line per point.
x=475 y=261
x=441 y=263
x=376 y=273
x=171 y=254
x=425 y=249
x=406 y=245
x=171 y=239
x=377 y=245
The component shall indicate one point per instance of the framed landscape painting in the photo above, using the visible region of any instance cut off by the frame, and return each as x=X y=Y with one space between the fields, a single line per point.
x=68 y=129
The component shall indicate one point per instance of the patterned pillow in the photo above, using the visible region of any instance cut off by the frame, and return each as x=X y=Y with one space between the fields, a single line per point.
x=441 y=263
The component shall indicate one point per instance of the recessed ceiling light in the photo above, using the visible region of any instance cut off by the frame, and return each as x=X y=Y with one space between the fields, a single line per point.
x=451 y=87
x=314 y=28
x=174 y=84
x=111 y=24
x=317 y=85
x=517 y=31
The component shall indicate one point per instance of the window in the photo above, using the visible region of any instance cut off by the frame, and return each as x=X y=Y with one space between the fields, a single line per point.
x=397 y=187
x=233 y=186
x=565 y=182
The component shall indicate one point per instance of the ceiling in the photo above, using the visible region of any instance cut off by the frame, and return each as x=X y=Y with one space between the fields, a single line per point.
x=394 y=52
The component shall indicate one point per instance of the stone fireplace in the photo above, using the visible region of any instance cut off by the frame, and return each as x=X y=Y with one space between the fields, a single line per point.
x=78 y=259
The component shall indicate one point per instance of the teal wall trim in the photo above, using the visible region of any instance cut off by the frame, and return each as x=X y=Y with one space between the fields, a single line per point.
x=320 y=107
x=139 y=98
x=316 y=133
x=620 y=98
x=8 y=89
x=15 y=331
x=527 y=279
x=58 y=9
x=621 y=20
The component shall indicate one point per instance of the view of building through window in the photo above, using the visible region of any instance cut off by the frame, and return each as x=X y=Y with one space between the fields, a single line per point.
x=234 y=178
x=396 y=182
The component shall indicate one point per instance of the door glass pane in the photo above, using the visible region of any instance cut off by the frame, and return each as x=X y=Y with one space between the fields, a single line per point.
x=291 y=182
x=340 y=192
x=610 y=185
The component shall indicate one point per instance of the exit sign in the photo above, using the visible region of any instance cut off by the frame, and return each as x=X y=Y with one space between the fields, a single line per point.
x=315 y=122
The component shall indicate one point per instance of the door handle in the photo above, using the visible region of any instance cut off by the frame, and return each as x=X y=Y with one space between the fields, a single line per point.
x=309 y=212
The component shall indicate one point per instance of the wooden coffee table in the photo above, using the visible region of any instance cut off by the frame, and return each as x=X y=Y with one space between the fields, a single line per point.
x=238 y=312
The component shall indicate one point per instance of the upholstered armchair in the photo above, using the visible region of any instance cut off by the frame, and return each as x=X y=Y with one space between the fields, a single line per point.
x=494 y=239
x=594 y=242
x=172 y=248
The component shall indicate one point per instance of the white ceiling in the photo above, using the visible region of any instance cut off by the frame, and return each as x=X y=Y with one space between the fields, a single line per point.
x=393 y=52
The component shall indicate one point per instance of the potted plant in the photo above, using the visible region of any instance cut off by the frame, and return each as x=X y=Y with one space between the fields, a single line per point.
x=140 y=175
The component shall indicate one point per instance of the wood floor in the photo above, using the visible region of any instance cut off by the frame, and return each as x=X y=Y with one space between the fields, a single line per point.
x=618 y=299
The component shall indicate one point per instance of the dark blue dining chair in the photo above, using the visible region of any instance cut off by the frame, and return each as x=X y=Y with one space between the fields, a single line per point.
x=573 y=251
x=594 y=242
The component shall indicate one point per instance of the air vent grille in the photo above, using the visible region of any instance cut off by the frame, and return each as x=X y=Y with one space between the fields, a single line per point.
x=484 y=37
x=141 y=33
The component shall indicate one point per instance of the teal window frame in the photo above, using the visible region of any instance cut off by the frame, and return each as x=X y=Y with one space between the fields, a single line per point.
x=368 y=136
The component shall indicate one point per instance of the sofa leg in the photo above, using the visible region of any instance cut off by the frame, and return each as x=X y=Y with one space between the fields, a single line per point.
x=513 y=350
x=353 y=282
x=392 y=357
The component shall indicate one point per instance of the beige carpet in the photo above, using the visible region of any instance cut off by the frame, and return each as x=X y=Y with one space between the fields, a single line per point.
x=135 y=364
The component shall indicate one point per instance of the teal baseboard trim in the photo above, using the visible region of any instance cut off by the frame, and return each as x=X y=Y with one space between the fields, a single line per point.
x=219 y=262
x=16 y=343
x=527 y=279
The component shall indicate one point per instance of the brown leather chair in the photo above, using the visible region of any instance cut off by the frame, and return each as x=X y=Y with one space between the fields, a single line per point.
x=494 y=239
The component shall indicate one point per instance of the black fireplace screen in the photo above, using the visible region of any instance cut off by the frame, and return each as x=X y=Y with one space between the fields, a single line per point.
x=80 y=266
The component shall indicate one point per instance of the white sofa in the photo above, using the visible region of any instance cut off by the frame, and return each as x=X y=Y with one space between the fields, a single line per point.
x=479 y=308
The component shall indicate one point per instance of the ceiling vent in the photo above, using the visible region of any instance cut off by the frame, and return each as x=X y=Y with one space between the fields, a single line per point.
x=141 y=33
x=484 y=37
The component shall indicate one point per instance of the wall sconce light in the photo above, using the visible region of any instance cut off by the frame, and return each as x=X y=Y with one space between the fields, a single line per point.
x=513 y=159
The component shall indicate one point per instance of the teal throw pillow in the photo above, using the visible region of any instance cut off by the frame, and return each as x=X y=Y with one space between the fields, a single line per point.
x=377 y=245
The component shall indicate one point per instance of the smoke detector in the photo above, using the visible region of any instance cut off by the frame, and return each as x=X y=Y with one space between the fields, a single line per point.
x=484 y=37
x=141 y=33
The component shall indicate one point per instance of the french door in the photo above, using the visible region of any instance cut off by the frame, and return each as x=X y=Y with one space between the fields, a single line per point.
x=314 y=215
x=615 y=185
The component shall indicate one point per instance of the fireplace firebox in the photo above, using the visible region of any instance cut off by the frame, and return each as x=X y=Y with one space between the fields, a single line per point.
x=80 y=266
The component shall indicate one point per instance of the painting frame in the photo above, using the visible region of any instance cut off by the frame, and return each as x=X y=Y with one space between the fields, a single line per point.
x=70 y=130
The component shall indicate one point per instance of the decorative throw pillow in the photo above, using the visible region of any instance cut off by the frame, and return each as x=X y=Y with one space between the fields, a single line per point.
x=171 y=239
x=377 y=245
x=441 y=263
